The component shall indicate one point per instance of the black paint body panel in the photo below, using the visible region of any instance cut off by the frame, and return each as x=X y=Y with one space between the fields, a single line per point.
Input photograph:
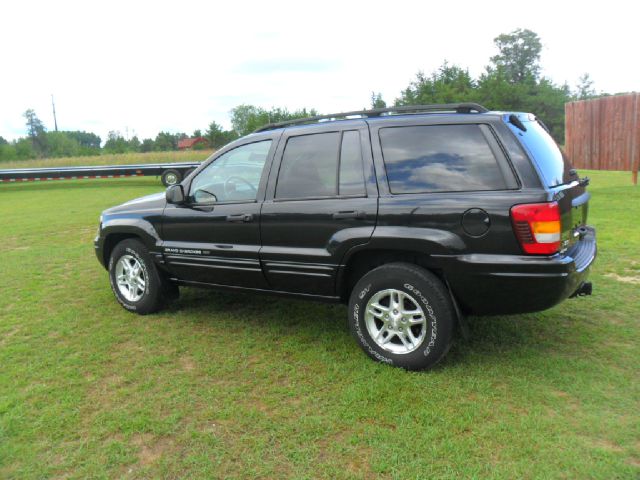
x=304 y=247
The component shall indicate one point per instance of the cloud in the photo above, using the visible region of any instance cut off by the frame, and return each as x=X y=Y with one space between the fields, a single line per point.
x=288 y=65
x=153 y=66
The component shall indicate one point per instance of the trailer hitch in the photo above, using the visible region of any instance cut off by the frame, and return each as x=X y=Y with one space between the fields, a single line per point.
x=583 y=290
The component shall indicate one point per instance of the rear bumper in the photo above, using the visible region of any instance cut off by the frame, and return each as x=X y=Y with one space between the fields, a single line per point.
x=508 y=284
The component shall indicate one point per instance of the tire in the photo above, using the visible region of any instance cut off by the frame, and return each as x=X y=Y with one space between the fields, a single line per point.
x=171 y=177
x=415 y=340
x=144 y=297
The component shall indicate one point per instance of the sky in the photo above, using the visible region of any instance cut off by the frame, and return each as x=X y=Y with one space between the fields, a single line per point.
x=141 y=67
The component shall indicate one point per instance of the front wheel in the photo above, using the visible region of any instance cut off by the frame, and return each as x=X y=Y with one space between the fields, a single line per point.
x=402 y=315
x=135 y=280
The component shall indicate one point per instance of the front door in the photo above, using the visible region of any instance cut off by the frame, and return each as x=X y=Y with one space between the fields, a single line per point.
x=321 y=201
x=215 y=237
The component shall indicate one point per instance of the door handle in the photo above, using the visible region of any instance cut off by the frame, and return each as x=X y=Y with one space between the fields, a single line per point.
x=240 y=218
x=357 y=214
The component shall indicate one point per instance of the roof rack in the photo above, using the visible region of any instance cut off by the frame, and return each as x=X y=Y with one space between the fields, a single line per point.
x=376 y=112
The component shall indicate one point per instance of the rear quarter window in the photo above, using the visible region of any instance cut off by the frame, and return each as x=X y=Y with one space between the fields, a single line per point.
x=439 y=158
x=552 y=164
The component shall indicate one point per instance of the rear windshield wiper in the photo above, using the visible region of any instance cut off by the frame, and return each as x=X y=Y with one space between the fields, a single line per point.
x=514 y=120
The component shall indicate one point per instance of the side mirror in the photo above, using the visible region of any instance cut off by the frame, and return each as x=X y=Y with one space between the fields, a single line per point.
x=175 y=195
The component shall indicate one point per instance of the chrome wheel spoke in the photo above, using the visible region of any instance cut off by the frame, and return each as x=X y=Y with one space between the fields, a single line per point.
x=386 y=339
x=373 y=311
x=412 y=337
x=396 y=300
x=377 y=306
x=395 y=321
x=130 y=278
x=404 y=340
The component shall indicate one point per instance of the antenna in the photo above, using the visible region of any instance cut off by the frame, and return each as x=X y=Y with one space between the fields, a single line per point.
x=55 y=121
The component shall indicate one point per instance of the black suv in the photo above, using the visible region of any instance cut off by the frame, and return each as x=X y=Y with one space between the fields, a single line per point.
x=414 y=216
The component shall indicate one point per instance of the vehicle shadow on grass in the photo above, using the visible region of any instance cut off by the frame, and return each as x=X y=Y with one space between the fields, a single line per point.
x=491 y=338
x=261 y=310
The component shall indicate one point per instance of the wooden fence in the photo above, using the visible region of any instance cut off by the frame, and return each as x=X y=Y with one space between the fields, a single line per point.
x=604 y=133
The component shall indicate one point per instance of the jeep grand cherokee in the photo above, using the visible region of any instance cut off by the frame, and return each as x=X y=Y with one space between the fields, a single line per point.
x=414 y=216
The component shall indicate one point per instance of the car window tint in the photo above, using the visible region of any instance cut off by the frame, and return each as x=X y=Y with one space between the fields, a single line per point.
x=309 y=166
x=553 y=165
x=351 y=175
x=439 y=158
x=234 y=176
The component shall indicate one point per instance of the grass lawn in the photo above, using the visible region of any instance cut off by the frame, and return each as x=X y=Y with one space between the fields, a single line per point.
x=241 y=386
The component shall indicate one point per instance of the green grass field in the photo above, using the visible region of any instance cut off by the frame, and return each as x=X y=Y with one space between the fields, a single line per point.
x=241 y=386
x=112 y=159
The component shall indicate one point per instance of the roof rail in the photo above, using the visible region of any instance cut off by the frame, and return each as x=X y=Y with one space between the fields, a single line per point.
x=376 y=112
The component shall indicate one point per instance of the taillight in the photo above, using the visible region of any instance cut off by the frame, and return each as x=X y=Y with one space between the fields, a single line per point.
x=537 y=227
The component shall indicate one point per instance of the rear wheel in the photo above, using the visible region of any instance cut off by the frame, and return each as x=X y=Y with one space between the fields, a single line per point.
x=402 y=315
x=135 y=280
x=171 y=177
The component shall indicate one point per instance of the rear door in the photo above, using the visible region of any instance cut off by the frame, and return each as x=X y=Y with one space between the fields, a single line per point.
x=321 y=201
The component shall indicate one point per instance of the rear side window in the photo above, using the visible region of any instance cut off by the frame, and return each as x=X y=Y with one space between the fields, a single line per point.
x=439 y=158
x=321 y=165
x=553 y=166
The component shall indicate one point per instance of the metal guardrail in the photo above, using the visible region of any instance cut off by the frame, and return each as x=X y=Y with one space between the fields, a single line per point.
x=170 y=173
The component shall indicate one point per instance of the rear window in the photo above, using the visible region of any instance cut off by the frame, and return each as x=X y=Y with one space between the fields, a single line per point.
x=545 y=152
x=439 y=158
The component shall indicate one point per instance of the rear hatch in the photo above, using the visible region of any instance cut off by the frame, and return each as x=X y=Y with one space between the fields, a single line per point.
x=557 y=175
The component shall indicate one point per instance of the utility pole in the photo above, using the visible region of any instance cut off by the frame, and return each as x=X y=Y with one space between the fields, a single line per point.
x=55 y=121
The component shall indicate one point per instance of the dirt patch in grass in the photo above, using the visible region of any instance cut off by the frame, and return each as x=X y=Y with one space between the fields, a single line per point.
x=608 y=445
x=634 y=462
x=7 y=336
x=357 y=463
x=101 y=394
x=572 y=402
x=187 y=363
x=150 y=448
x=634 y=280
x=14 y=244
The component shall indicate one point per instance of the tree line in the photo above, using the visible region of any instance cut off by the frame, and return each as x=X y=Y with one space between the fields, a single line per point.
x=511 y=81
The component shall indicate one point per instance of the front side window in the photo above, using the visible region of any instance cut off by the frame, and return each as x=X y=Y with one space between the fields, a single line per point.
x=321 y=165
x=232 y=177
x=439 y=158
